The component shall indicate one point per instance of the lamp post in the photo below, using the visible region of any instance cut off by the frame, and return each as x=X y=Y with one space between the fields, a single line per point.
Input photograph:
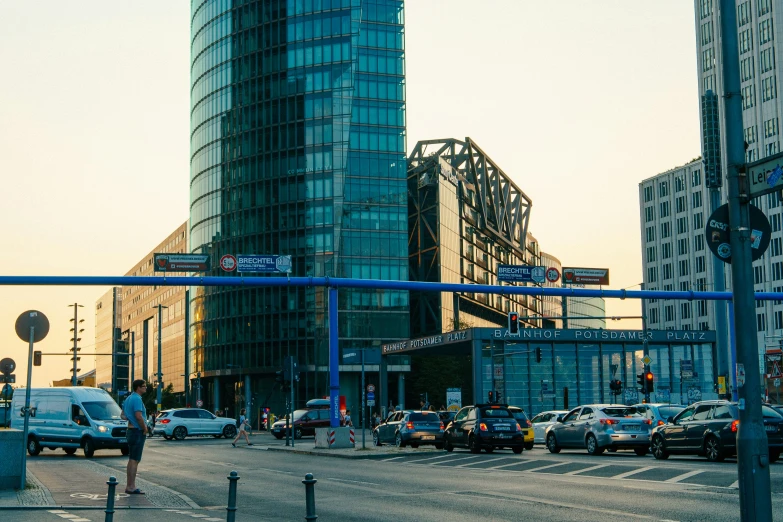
x=76 y=331
x=160 y=356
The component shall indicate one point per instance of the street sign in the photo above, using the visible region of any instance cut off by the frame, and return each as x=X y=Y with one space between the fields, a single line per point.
x=370 y=388
x=7 y=365
x=765 y=176
x=9 y=378
x=32 y=319
x=370 y=396
x=740 y=375
x=718 y=233
x=228 y=263
x=180 y=262
x=686 y=369
x=521 y=274
x=588 y=276
x=552 y=274
x=370 y=403
x=267 y=264
x=646 y=360
x=199 y=403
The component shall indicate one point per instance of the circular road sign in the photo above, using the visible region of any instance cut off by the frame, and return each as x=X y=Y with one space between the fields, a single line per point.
x=228 y=263
x=32 y=319
x=7 y=365
x=199 y=403
x=370 y=388
x=552 y=274
x=719 y=236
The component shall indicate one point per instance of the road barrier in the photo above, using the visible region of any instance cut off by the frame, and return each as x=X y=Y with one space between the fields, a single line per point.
x=112 y=482
x=309 y=483
x=233 y=477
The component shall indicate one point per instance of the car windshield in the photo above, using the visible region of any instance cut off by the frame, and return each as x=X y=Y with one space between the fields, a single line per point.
x=494 y=413
x=107 y=410
x=669 y=411
x=298 y=414
x=621 y=412
x=519 y=415
x=770 y=413
x=163 y=414
x=424 y=417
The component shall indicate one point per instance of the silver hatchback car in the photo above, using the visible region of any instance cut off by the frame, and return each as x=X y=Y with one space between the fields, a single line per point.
x=598 y=427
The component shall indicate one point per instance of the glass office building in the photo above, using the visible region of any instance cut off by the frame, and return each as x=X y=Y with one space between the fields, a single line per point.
x=297 y=147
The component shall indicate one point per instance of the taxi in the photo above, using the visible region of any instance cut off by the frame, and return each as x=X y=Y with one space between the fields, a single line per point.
x=525 y=424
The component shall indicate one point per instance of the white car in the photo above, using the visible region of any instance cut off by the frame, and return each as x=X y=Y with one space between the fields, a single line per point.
x=544 y=420
x=186 y=422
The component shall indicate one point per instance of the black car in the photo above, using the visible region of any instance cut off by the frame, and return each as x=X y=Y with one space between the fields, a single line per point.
x=709 y=428
x=484 y=426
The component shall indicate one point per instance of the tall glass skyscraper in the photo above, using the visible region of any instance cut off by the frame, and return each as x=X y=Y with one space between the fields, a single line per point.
x=297 y=147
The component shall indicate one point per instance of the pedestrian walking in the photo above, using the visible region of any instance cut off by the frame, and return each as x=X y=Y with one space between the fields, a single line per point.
x=348 y=421
x=264 y=424
x=153 y=420
x=134 y=411
x=243 y=423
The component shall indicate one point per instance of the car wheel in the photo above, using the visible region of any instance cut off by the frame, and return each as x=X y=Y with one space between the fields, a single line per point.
x=89 y=448
x=473 y=445
x=489 y=449
x=125 y=451
x=517 y=450
x=774 y=456
x=167 y=437
x=180 y=432
x=529 y=446
x=298 y=433
x=551 y=444
x=71 y=451
x=448 y=447
x=658 y=448
x=229 y=431
x=641 y=451
x=713 y=450
x=33 y=447
x=376 y=440
x=398 y=441
x=592 y=445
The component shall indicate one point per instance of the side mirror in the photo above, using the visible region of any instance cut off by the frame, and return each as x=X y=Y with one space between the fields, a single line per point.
x=670 y=420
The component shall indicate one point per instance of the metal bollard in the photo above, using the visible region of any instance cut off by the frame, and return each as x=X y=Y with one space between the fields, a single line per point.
x=232 y=497
x=110 y=499
x=309 y=483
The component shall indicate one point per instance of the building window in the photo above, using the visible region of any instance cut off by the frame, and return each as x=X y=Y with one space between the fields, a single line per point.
x=746 y=69
x=767 y=59
x=682 y=225
x=772 y=148
x=700 y=266
x=663 y=189
x=698 y=221
x=750 y=134
x=684 y=286
x=652 y=274
x=650 y=254
x=650 y=234
x=682 y=246
x=765 y=31
x=649 y=214
x=774 y=220
x=698 y=243
x=648 y=193
x=684 y=268
x=669 y=311
x=743 y=14
x=708 y=59
x=701 y=284
x=679 y=183
x=667 y=271
x=765 y=6
x=705 y=8
x=776 y=243
x=773 y=200
x=685 y=310
x=746 y=40
x=777 y=271
x=761 y=322
x=679 y=204
x=653 y=313
x=701 y=308
x=666 y=251
x=758 y=275
x=695 y=178
x=751 y=155
x=709 y=83
x=748 y=96
x=769 y=88
x=696 y=199
x=771 y=127
x=664 y=209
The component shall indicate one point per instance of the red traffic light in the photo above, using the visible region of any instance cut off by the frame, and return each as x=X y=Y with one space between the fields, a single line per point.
x=514 y=316
x=648 y=376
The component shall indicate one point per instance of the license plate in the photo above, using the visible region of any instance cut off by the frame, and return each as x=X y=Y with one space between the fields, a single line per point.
x=123 y=441
x=502 y=428
x=631 y=427
x=503 y=436
x=771 y=427
x=428 y=437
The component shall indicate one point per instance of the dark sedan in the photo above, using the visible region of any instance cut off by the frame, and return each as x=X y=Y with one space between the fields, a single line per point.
x=709 y=428
x=484 y=426
x=414 y=428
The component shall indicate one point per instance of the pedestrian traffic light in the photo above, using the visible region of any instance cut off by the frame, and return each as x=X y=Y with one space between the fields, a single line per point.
x=513 y=323
x=279 y=376
x=37 y=358
x=491 y=397
x=649 y=380
x=498 y=396
x=538 y=355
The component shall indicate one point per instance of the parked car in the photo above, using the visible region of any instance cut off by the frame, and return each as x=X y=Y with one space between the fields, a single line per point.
x=658 y=413
x=525 y=425
x=597 y=427
x=709 y=428
x=179 y=423
x=484 y=426
x=71 y=418
x=305 y=422
x=414 y=428
x=544 y=420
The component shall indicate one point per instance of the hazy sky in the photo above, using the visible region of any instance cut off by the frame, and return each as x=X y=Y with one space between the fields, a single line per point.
x=576 y=101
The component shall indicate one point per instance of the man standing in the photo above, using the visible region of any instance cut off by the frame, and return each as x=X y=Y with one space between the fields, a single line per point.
x=136 y=413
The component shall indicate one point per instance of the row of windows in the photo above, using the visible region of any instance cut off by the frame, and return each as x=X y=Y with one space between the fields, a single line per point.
x=708 y=59
x=383 y=11
x=770 y=127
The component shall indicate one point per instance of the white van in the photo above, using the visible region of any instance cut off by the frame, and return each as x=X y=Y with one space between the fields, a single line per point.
x=71 y=418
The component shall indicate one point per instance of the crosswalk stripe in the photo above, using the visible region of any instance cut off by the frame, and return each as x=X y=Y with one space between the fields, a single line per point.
x=735 y=485
x=522 y=461
x=463 y=458
x=393 y=458
x=684 y=476
x=432 y=458
x=549 y=466
x=586 y=469
x=632 y=472
x=471 y=463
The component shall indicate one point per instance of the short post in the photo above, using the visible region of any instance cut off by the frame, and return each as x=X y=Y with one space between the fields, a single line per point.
x=110 y=499
x=232 y=497
x=309 y=483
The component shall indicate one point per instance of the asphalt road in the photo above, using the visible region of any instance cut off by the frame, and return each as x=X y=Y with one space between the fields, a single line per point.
x=433 y=486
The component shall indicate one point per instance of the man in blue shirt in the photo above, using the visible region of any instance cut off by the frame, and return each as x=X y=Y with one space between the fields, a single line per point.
x=136 y=413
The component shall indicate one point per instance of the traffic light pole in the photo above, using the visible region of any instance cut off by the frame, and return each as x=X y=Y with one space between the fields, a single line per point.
x=160 y=356
x=752 y=450
x=645 y=351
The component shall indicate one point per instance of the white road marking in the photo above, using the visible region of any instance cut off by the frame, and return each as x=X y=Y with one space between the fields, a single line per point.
x=632 y=472
x=472 y=463
x=684 y=476
x=735 y=485
x=353 y=481
x=586 y=469
x=428 y=458
x=549 y=466
x=464 y=458
x=393 y=458
x=515 y=464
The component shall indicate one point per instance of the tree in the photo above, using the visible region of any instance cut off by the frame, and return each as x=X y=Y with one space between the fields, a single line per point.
x=167 y=398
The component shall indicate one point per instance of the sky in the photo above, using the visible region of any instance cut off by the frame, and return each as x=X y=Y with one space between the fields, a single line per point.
x=576 y=101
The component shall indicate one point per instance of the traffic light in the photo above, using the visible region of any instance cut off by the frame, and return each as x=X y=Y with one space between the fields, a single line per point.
x=37 y=358
x=649 y=380
x=279 y=376
x=498 y=396
x=513 y=323
x=491 y=397
x=538 y=355
x=616 y=385
x=640 y=381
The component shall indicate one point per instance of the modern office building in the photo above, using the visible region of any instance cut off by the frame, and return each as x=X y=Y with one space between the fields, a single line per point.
x=297 y=148
x=111 y=367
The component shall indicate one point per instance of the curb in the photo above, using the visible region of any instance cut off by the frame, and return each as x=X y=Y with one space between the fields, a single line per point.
x=327 y=453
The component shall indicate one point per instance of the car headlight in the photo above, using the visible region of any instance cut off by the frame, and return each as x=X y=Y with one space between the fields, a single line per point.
x=103 y=429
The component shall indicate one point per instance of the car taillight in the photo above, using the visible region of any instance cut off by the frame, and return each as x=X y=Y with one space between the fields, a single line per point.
x=734 y=426
x=409 y=425
x=647 y=421
x=661 y=423
x=165 y=421
x=529 y=424
x=519 y=428
x=483 y=427
x=608 y=422
x=442 y=427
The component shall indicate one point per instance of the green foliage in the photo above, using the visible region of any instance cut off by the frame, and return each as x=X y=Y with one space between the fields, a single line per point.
x=168 y=399
x=432 y=374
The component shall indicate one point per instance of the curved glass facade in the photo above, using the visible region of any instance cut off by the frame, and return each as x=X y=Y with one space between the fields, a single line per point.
x=297 y=147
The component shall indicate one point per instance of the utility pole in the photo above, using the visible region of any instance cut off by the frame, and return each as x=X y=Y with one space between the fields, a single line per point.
x=645 y=349
x=76 y=331
x=752 y=450
x=160 y=356
x=133 y=358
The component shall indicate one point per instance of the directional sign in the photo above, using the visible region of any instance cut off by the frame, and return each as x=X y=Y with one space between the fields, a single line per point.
x=521 y=273
x=181 y=262
x=765 y=176
x=588 y=276
x=371 y=403
x=264 y=264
